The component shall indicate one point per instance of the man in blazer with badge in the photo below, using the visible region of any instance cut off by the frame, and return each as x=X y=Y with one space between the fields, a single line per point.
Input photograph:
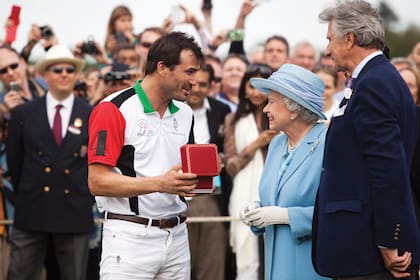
x=46 y=152
x=364 y=221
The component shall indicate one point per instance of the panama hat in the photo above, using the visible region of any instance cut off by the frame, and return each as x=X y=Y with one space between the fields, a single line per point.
x=59 y=54
x=297 y=84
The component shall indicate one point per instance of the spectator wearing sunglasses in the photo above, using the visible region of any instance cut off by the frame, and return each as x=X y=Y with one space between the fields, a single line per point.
x=19 y=88
x=144 y=41
x=46 y=152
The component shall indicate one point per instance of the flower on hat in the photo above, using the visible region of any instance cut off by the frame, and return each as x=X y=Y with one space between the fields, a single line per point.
x=347 y=93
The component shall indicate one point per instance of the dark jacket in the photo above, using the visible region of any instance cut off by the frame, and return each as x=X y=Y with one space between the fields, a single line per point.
x=50 y=181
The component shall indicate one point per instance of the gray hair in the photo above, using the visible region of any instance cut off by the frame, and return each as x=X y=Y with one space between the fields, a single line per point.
x=358 y=17
x=294 y=107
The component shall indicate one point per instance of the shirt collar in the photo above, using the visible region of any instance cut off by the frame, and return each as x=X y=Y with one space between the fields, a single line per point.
x=146 y=102
x=52 y=102
x=362 y=63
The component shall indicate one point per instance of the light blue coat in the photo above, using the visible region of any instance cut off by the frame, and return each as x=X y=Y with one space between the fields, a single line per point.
x=288 y=247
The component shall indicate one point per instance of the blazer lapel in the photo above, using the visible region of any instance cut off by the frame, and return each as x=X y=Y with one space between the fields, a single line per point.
x=74 y=127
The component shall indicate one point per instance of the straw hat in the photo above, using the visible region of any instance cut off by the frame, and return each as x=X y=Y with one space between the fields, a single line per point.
x=296 y=83
x=59 y=54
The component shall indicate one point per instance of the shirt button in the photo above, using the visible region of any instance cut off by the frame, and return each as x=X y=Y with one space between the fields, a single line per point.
x=67 y=171
x=47 y=169
x=66 y=191
x=46 y=189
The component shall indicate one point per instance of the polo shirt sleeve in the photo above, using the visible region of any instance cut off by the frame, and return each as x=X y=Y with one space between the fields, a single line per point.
x=106 y=134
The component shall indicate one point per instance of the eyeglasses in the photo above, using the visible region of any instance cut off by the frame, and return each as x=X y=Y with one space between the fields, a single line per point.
x=259 y=68
x=59 y=70
x=146 y=45
x=12 y=66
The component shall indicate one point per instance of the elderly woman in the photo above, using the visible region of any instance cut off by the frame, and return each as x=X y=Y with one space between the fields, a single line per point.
x=291 y=172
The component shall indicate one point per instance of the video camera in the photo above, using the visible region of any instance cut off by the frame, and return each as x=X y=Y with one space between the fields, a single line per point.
x=116 y=76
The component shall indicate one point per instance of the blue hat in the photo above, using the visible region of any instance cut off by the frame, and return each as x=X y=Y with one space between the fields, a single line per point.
x=296 y=83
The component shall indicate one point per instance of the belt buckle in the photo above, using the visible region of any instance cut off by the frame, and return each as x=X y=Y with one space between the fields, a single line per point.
x=165 y=223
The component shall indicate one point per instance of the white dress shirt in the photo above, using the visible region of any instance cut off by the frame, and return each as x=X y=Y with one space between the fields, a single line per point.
x=65 y=111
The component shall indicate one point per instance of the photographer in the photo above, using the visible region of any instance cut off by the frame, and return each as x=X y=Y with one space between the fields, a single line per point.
x=117 y=77
x=43 y=34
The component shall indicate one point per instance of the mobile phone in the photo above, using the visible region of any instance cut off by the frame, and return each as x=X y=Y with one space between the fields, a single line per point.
x=11 y=30
x=236 y=35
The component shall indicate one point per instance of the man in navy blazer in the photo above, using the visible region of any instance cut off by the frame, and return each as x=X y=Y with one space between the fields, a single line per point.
x=364 y=222
x=46 y=153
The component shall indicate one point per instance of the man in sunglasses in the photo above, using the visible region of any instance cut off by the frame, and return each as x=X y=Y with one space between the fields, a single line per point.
x=46 y=152
x=19 y=88
x=145 y=40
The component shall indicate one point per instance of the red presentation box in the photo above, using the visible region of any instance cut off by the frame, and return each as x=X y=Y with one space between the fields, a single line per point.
x=201 y=159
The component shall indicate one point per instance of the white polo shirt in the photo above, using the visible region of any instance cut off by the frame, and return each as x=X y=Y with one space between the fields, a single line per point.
x=125 y=132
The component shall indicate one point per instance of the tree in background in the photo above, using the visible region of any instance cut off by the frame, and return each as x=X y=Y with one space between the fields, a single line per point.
x=399 y=41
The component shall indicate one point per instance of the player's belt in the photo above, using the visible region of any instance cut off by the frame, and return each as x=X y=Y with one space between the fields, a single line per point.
x=162 y=223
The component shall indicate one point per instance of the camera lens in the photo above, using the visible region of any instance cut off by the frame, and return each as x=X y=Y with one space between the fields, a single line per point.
x=46 y=32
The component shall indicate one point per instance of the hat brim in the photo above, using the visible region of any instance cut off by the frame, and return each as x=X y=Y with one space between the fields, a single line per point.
x=44 y=64
x=266 y=85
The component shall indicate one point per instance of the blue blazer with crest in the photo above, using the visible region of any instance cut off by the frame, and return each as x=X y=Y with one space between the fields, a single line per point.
x=50 y=181
x=364 y=199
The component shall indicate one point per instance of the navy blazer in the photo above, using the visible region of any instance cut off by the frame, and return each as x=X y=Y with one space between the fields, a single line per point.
x=364 y=199
x=50 y=181
x=215 y=120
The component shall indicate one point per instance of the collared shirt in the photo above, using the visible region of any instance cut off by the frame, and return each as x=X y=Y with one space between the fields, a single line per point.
x=65 y=111
x=362 y=63
x=201 y=128
x=223 y=98
x=127 y=133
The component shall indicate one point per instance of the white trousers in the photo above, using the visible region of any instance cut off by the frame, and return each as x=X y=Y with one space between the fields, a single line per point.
x=134 y=251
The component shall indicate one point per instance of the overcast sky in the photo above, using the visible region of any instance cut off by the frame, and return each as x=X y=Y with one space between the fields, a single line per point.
x=75 y=20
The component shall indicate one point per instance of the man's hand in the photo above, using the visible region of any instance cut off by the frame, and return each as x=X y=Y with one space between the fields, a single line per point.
x=396 y=265
x=176 y=182
x=12 y=99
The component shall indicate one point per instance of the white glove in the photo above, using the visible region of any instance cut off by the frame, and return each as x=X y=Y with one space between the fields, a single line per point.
x=269 y=215
x=248 y=207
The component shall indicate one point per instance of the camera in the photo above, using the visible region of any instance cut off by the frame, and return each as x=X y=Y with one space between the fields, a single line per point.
x=116 y=76
x=89 y=47
x=46 y=32
x=120 y=37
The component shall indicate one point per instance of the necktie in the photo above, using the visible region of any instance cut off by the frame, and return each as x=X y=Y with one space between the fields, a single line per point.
x=57 y=131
